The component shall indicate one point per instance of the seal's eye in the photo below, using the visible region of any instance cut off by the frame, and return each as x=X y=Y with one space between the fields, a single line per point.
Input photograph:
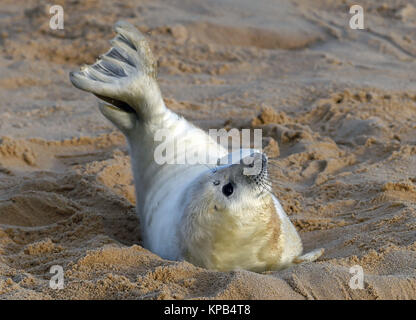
x=228 y=189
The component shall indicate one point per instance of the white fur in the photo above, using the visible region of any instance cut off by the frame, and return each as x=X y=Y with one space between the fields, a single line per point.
x=289 y=238
x=126 y=74
x=160 y=188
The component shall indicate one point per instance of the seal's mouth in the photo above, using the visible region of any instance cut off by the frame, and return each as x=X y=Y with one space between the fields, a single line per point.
x=117 y=104
x=260 y=179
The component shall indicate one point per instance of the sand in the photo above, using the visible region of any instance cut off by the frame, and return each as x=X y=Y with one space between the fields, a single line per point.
x=337 y=107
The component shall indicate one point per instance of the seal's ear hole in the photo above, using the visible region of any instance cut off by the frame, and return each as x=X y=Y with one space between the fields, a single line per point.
x=228 y=189
x=216 y=182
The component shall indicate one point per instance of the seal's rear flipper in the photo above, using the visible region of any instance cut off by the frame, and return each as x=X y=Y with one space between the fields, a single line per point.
x=124 y=121
x=125 y=76
x=310 y=256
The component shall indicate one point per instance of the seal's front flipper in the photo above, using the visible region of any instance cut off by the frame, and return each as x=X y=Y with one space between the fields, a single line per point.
x=310 y=256
x=125 y=76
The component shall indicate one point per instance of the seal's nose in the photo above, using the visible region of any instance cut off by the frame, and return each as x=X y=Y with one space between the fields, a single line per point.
x=254 y=163
x=264 y=159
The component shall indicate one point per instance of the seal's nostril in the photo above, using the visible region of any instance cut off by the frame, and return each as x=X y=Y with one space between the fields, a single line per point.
x=264 y=160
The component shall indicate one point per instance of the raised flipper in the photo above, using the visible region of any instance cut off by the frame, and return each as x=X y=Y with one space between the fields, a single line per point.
x=309 y=257
x=125 y=76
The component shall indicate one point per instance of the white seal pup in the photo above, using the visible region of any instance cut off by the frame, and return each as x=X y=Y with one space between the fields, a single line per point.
x=218 y=218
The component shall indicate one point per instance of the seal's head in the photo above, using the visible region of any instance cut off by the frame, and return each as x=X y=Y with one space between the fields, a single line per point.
x=230 y=188
x=230 y=207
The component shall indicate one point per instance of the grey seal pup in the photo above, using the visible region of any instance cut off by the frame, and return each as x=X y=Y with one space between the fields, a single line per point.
x=215 y=217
